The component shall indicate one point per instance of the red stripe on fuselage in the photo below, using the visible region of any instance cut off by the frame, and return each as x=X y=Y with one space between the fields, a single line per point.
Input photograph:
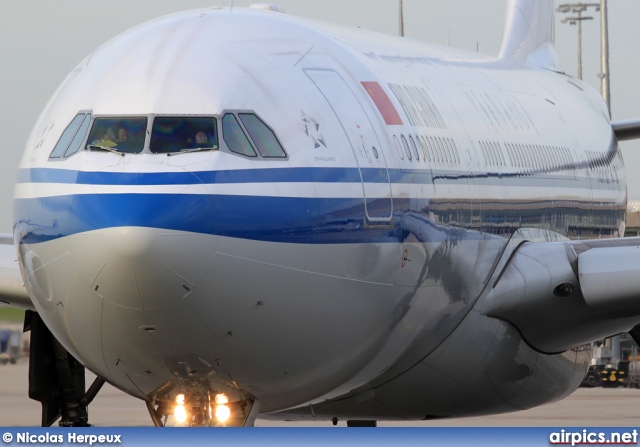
x=383 y=103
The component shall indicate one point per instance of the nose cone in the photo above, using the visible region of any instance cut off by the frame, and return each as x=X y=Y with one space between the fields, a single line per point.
x=131 y=242
x=138 y=249
x=142 y=268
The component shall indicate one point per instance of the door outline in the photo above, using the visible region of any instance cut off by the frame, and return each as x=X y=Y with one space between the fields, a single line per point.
x=356 y=139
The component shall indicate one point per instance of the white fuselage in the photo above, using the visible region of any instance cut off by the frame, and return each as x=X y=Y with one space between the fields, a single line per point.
x=353 y=264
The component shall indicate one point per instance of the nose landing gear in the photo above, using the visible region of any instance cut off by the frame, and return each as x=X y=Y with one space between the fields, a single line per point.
x=56 y=378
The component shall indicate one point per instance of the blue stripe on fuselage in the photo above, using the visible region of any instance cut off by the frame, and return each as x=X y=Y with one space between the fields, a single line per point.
x=315 y=175
x=277 y=219
x=269 y=175
x=291 y=219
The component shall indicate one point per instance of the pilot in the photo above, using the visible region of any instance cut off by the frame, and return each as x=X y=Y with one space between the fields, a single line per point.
x=123 y=134
x=201 y=140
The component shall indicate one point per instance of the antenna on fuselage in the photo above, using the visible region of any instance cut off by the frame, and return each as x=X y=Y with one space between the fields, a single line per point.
x=230 y=6
x=400 y=19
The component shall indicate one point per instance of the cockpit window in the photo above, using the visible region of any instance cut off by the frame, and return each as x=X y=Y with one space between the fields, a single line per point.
x=263 y=137
x=178 y=134
x=72 y=137
x=124 y=135
x=75 y=144
x=235 y=138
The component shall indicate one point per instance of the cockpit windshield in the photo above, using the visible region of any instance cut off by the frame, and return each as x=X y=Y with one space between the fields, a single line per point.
x=181 y=134
x=124 y=135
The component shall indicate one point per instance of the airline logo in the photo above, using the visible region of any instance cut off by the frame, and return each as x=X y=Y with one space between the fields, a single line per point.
x=383 y=103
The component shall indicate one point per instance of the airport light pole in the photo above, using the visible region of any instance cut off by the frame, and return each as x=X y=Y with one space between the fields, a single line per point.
x=604 y=54
x=577 y=8
x=400 y=19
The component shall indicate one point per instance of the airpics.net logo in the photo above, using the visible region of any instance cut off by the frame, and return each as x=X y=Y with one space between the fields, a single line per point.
x=588 y=437
x=70 y=438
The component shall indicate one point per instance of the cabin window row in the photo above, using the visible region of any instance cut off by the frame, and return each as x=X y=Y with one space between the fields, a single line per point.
x=243 y=133
x=492 y=153
x=428 y=149
x=603 y=165
x=535 y=156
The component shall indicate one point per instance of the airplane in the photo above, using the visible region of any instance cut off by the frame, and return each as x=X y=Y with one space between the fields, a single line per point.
x=233 y=213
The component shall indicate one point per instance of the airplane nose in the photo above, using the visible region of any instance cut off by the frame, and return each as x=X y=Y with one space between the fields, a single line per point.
x=141 y=253
x=142 y=268
x=131 y=242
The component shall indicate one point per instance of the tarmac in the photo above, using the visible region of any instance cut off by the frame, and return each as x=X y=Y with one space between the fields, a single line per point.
x=587 y=407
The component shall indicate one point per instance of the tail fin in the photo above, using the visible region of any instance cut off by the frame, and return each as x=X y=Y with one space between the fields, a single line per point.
x=529 y=33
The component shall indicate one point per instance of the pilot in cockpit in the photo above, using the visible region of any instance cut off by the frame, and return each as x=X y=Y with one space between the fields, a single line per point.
x=123 y=134
x=200 y=140
x=108 y=137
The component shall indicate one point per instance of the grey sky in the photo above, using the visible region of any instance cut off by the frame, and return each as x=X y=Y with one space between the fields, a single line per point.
x=41 y=41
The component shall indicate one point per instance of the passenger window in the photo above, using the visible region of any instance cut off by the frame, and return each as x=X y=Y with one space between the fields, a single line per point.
x=523 y=155
x=519 y=156
x=68 y=135
x=430 y=153
x=540 y=156
x=535 y=163
x=436 y=149
x=183 y=134
x=454 y=148
x=549 y=157
x=423 y=146
x=235 y=138
x=449 y=143
x=487 y=153
x=398 y=148
x=498 y=154
x=445 y=150
x=406 y=147
x=534 y=156
x=415 y=148
x=263 y=137
x=125 y=135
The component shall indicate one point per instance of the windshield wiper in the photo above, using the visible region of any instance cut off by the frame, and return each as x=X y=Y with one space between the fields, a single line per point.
x=186 y=151
x=94 y=147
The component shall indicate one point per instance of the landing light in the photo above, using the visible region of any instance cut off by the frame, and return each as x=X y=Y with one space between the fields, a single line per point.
x=180 y=412
x=222 y=413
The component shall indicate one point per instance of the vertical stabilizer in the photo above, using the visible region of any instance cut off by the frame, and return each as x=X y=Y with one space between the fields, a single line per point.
x=529 y=33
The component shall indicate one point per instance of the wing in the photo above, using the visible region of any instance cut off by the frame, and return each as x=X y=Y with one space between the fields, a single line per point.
x=626 y=130
x=561 y=295
x=12 y=290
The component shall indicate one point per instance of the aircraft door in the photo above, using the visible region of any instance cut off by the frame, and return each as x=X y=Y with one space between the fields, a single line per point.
x=364 y=143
